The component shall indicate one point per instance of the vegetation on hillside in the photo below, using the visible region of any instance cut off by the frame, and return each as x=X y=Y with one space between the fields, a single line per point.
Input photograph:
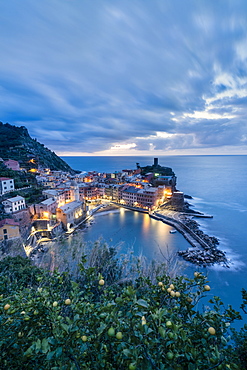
x=162 y=171
x=101 y=320
x=17 y=144
x=22 y=179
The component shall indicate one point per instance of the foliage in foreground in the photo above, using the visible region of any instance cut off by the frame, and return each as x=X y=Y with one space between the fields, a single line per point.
x=51 y=322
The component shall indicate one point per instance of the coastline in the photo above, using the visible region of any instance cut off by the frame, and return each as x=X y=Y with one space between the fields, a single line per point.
x=204 y=253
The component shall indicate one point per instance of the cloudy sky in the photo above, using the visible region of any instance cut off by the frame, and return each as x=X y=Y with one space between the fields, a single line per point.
x=126 y=77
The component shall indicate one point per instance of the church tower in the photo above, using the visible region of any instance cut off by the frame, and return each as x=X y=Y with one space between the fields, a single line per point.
x=74 y=191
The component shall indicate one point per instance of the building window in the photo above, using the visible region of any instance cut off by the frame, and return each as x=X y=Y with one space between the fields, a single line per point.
x=5 y=237
x=5 y=231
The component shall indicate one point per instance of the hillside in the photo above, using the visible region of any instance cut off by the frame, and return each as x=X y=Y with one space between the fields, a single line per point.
x=17 y=144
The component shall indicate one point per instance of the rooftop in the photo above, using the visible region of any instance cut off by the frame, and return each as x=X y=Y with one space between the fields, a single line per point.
x=48 y=201
x=8 y=221
x=70 y=206
x=15 y=199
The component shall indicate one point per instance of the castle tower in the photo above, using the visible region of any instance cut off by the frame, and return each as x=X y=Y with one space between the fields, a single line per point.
x=156 y=162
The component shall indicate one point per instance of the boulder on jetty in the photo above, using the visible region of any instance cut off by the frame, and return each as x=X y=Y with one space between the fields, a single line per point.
x=203 y=257
x=208 y=254
x=211 y=241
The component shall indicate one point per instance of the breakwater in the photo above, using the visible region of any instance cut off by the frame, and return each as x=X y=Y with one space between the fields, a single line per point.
x=204 y=252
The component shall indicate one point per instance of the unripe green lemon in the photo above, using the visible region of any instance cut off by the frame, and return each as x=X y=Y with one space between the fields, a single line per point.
x=168 y=324
x=84 y=338
x=111 y=332
x=132 y=366
x=54 y=304
x=170 y=335
x=169 y=355
x=119 y=335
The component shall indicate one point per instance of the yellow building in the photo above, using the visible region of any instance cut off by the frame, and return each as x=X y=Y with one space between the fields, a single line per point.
x=9 y=229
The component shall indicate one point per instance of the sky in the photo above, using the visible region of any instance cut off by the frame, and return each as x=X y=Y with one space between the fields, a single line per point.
x=126 y=77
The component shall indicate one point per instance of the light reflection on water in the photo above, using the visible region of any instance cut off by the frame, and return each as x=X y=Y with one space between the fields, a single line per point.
x=135 y=231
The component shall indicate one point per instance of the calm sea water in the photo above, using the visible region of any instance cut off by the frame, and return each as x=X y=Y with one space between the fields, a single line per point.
x=218 y=187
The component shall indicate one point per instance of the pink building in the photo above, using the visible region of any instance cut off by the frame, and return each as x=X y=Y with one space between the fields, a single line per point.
x=12 y=164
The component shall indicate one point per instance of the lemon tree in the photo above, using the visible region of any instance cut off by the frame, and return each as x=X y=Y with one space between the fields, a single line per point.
x=49 y=321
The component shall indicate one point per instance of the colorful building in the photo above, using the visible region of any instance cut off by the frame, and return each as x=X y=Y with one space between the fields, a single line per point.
x=12 y=164
x=9 y=229
x=70 y=214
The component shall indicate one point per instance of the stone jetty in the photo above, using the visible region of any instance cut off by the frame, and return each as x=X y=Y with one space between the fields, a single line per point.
x=204 y=252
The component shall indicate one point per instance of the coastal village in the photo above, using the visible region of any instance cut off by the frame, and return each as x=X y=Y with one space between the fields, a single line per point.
x=69 y=200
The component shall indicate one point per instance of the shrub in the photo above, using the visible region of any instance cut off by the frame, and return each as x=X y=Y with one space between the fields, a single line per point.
x=54 y=322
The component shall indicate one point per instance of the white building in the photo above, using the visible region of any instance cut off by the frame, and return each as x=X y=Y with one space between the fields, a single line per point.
x=70 y=214
x=14 y=204
x=6 y=185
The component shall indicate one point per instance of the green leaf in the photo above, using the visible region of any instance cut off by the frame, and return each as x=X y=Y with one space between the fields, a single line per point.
x=101 y=328
x=45 y=345
x=38 y=345
x=142 y=303
x=127 y=352
x=50 y=355
x=65 y=327
x=59 y=351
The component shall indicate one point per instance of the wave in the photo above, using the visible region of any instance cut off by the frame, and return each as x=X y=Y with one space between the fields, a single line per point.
x=224 y=205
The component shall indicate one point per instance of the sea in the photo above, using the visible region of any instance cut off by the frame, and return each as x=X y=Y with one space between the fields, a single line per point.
x=217 y=185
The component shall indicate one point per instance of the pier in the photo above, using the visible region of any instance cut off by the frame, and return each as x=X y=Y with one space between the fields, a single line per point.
x=202 y=254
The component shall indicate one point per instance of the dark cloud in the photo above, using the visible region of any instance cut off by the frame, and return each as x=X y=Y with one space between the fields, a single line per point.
x=85 y=76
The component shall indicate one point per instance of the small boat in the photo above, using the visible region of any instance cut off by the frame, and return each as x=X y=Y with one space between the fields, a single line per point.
x=173 y=231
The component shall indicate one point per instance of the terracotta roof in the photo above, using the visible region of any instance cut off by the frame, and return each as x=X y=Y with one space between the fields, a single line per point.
x=5 y=178
x=8 y=221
